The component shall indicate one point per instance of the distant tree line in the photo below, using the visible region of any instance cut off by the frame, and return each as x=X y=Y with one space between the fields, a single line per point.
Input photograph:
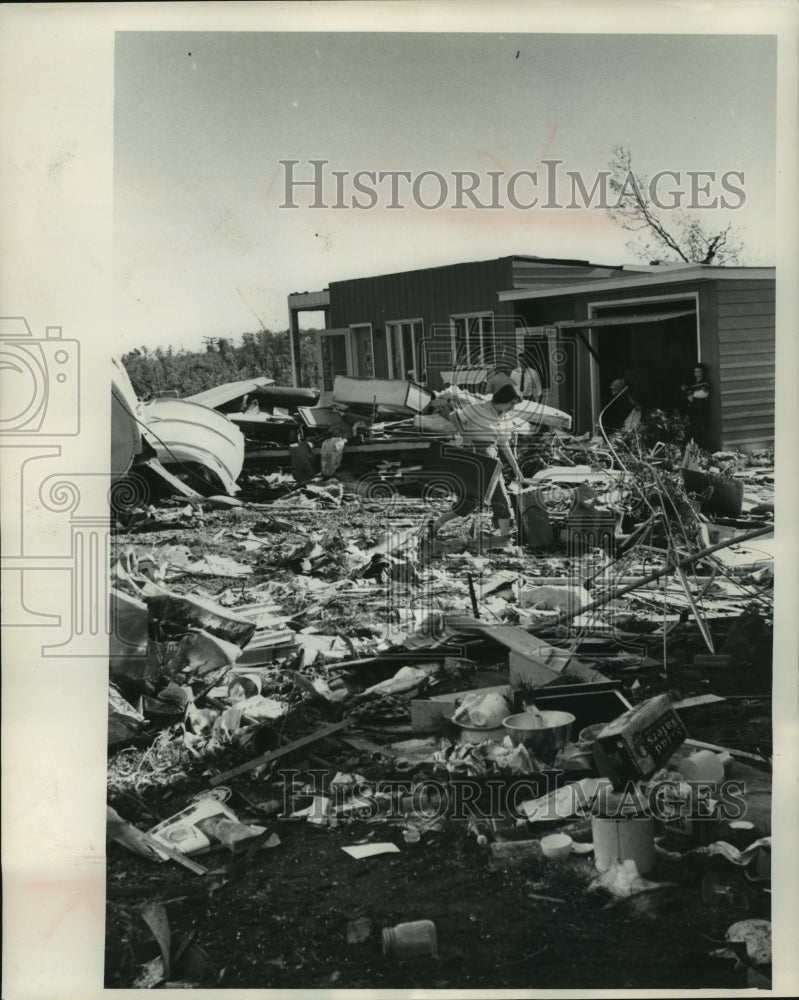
x=164 y=371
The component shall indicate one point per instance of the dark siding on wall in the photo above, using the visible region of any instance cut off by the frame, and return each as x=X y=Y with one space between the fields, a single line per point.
x=432 y=294
x=746 y=319
x=435 y=293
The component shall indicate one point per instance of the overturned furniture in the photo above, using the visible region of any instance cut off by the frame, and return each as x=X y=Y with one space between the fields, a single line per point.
x=393 y=395
x=263 y=411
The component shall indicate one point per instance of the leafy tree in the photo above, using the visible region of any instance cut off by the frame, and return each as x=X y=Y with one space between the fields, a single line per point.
x=684 y=238
x=166 y=372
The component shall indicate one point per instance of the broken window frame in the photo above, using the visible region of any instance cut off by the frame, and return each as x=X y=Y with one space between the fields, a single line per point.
x=327 y=373
x=369 y=356
x=398 y=329
x=468 y=327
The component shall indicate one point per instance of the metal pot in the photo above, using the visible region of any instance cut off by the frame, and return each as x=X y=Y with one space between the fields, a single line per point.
x=540 y=732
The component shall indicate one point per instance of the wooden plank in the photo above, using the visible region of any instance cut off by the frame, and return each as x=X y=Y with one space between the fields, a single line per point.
x=271 y=755
x=757 y=348
x=761 y=321
x=532 y=661
x=763 y=433
x=732 y=295
x=756 y=379
x=735 y=359
x=734 y=284
x=747 y=392
x=697 y=700
x=716 y=748
x=763 y=334
x=178 y=856
x=755 y=307
x=753 y=405
x=762 y=427
x=761 y=326
x=750 y=433
x=754 y=440
x=365 y=745
x=740 y=421
x=757 y=374
x=753 y=369
x=516 y=639
x=759 y=364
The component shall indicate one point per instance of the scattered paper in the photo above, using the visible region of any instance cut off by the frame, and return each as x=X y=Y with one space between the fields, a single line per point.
x=565 y=802
x=370 y=850
x=623 y=879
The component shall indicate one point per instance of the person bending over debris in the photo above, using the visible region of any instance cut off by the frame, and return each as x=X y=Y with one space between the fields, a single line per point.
x=498 y=378
x=483 y=428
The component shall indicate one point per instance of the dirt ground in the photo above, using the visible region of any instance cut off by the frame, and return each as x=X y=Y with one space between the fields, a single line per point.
x=303 y=914
x=281 y=922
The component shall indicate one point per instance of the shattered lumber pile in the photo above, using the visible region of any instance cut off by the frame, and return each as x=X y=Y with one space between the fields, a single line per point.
x=584 y=727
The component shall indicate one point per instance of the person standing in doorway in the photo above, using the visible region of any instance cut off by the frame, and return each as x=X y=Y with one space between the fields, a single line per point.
x=619 y=408
x=527 y=381
x=697 y=396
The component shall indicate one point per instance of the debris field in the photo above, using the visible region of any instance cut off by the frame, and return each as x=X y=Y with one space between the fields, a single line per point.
x=343 y=753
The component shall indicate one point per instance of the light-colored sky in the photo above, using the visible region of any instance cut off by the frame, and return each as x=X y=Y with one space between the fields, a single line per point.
x=202 y=248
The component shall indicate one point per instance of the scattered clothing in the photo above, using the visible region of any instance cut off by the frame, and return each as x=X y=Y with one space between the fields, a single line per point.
x=332 y=453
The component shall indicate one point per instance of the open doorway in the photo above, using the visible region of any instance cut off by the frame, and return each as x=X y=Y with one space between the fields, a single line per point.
x=654 y=350
x=333 y=357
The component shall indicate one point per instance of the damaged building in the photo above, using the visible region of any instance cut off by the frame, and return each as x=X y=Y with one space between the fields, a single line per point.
x=582 y=325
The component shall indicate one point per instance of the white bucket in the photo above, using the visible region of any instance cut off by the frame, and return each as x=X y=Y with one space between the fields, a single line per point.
x=624 y=840
x=704 y=765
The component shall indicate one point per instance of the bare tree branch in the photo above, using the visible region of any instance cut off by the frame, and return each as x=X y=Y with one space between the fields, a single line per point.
x=686 y=238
